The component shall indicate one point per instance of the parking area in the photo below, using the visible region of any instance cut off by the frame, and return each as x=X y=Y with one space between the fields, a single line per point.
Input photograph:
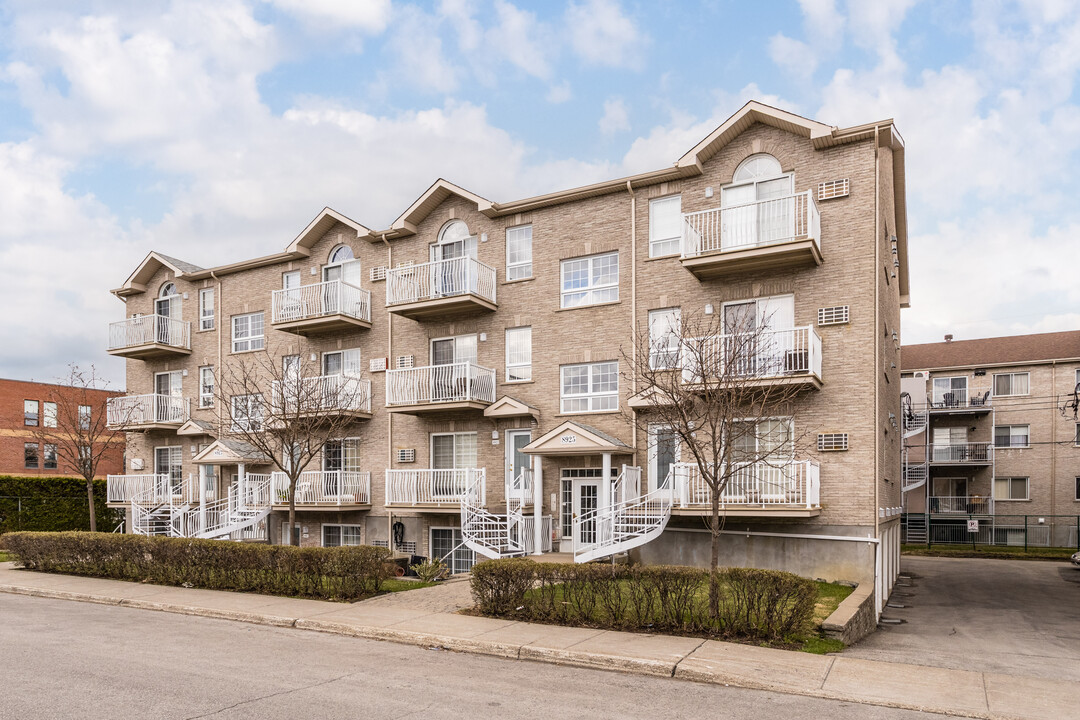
x=1010 y=616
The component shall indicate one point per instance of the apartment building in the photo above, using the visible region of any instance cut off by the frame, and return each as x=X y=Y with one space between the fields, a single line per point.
x=489 y=341
x=991 y=429
x=27 y=408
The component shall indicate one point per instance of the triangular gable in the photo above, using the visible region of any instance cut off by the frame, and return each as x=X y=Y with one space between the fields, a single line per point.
x=154 y=261
x=508 y=407
x=571 y=438
x=222 y=452
x=441 y=189
x=749 y=114
x=195 y=428
x=319 y=227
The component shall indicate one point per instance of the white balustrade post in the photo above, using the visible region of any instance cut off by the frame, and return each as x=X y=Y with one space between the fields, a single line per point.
x=241 y=485
x=202 y=499
x=605 y=484
x=538 y=503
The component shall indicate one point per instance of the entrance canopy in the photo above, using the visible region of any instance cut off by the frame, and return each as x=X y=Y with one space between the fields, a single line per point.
x=571 y=438
x=231 y=452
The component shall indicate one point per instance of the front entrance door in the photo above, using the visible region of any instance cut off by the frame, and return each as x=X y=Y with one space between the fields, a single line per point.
x=580 y=495
x=516 y=461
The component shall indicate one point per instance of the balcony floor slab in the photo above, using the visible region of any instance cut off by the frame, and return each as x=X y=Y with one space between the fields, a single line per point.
x=149 y=351
x=437 y=408
x=440 y=307
x=786 y=255
x=759 y=511
x=326 y=323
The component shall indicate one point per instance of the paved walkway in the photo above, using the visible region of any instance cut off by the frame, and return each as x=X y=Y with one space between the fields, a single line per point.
x=446 y=597
x=956 y=692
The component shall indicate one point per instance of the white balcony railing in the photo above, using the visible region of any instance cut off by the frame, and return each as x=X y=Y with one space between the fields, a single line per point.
x=149 y=329
x=954 y=398
x=968 y=505
x=426 y=487
x=433 y=384
x=758 y=354
x=794 y=484
x=765 y=222
x=122 y=488
x=440 y=279
x=135 y=410
x=318 y=300
x=978 y=453
x=322 y=394
x=325 y=487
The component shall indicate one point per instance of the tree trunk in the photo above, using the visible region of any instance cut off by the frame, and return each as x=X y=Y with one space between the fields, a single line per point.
x=714 y=557
x=90 y=502
x=292 y=512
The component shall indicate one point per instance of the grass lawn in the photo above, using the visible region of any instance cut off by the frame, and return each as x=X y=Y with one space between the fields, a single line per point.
x=398 y=585
x=1006 y=552
x=4 y=557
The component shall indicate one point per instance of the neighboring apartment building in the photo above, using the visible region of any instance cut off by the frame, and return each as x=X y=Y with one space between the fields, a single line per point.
x=493 y=336
x=991 y=429
x=28 y=407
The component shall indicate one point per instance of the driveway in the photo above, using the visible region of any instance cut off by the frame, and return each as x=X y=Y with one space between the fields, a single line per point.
x=1009 y=616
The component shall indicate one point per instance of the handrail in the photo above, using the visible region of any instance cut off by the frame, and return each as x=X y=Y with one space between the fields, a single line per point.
x=325 y=487
x=796 y=483
x=331 y=297
x=440 y=279
x=621 y=525
x=321 y=393
x=430 y=384
x=147 y=329
x=757 y=354
x=954 y=398
x=133 y=410
x=754 y=224
x=966 y=452
x=431 y=486
x=123 y=488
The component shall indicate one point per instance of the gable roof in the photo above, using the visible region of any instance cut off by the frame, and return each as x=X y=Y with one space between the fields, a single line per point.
x=507 y=406
x=319 y=227
x=440 y=190
x=1012 y=350
x=226 y=451
x=572 y=438
x=195 y=428
x=154 y=261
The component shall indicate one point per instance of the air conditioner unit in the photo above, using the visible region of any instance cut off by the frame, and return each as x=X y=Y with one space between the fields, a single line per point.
x=406 y=455
x=377 y=364
x=378 y=273
x=405 y=361
x=922 y=374
x=136 y=464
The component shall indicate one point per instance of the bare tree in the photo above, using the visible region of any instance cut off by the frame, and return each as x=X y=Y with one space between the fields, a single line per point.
x=73 y=423
x=724 y=389
x=281 y=405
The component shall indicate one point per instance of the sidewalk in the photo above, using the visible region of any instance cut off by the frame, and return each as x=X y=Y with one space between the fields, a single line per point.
x=956 y=692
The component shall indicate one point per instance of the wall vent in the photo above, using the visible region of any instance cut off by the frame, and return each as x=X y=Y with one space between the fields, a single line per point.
x=833 y=189
x=832 y=442
x=406 y=455
x=405 y=361
x=377 y=365
x=378 y=273
x=838 y=315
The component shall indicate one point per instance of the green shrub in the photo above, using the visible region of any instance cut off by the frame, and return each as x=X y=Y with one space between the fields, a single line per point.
x=429 y=570
x=342 y=573
x=53 y=504
x=767 y=603
x=499 y=586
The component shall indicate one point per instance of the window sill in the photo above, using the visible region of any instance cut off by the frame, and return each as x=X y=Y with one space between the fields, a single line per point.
x=997 y=500
x=669 y=256
x=517 y=382
x=590 y=412
x=587 y=307
x=205 y=330
x=519 y=280
x=1012 y=447
x=245 y=352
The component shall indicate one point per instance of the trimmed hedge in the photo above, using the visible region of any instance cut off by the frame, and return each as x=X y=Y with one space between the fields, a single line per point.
x=52 y=504
x=341 y=573
x=760 y=604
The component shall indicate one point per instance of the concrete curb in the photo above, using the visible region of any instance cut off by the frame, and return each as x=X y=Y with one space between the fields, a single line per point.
x=691 y=659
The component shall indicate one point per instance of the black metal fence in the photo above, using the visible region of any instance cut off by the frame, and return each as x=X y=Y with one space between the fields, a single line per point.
x=1016 y=531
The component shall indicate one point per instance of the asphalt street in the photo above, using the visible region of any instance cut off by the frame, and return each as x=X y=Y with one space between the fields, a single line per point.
x=62 y=659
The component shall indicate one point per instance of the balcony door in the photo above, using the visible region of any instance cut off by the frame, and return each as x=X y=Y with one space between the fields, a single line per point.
x=449 y=381
x=169 y=396
x=759 y=337
x=758 y=208
x=338 y=457
x=451 y=453
x=950 y=391
x=516 y=461
x=454 y=278
x=664 y=449
x=344 y=266
x=949 y=444
x=167 y=307
x=168 y=461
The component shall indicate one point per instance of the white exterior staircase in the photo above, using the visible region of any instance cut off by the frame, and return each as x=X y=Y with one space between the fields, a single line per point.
x=914 y=474
x=166 y=509
x=486 y=533
x=630 y=519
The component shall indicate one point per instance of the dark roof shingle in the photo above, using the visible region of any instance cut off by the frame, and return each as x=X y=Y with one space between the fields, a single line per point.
x=1016 y=349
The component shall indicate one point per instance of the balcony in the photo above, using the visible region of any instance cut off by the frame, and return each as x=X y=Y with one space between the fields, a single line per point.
x=122 y=489
x=439 y=288
x=323 y=395
x=317 y=489
x=433 y=489
x=969 y=453
x=781 y=233
x=763 y=357
x=790 y=489
x=439 y=388
x=960 y=401
x=961 y=505
x=147 y=412
x=149 y=336
x=321 y=307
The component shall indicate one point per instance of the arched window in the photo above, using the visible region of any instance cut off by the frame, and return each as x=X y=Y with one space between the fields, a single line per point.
x=343 y=265
x=761 y=208
x=341 y=254
x=757 y=167
x=167 y=304
x=167 y=290
x=454 y=241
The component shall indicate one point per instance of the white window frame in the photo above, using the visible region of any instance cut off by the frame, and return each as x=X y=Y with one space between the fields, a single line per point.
x=450 y=562
x=31 y=418
x=48 y=414
x=86 y=414
x=253 y=409
x=459 y=463
x=206 y=400
x=591 y=396
x=521 y=367
x=589 y=294
x=659 y=246
x=248 y=341
x=1012 y=382
x=1011 y=479
x=653 y=431
x=206 y=309
x=519 y=269
x=341 y=534
x=937 y=398
x=1026 y=433
x=672 y=331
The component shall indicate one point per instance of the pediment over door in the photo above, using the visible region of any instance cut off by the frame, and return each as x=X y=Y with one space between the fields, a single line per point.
x=571 y=438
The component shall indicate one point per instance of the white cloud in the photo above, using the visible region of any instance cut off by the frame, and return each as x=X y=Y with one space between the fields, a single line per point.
x=367 y=15
x=558 y=94
x=795 y=56
x=602 y=35
x=615 y=118
x=521 y=40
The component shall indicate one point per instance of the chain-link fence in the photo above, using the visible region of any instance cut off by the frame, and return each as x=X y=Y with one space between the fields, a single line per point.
x=55 y=513
x=1015 y=531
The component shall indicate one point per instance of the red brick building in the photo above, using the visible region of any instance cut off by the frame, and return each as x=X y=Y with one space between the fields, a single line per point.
x=26 y=408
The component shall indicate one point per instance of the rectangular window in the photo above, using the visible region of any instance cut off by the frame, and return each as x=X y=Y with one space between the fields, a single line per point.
x=1006 y=436
x=590 y=388
x=447 y=546
x=206 y=386
x=246 y=412
x=1011 y=488
x=247 y=332
x=206 y=309
x=1006 y=384
x=169 y=460
x=1077 y=495
x=590 y=280
x=566 y=519
x=949 y=391
x=664 y=336
x=85 y=416
x=339 y=535
x=665 y=225
x=1076 y=440
x=50 y=457
x=518 y=354
x=48 y=415
x=519 y=252
x=30 y=412
x=453 y=451
x=30 y=455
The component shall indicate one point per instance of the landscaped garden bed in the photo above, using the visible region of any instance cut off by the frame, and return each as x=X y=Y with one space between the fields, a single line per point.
x=761 y=606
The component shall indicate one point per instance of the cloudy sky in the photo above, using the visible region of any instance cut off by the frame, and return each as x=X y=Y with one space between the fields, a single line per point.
x=215 y=130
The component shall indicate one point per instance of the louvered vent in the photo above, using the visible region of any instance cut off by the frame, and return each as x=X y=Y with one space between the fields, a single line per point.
x=832 y=442
x=378 y=273
x=833 y=189
x=837 y=315
x=377 y=365
x=404 y=361
x=406 y=455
